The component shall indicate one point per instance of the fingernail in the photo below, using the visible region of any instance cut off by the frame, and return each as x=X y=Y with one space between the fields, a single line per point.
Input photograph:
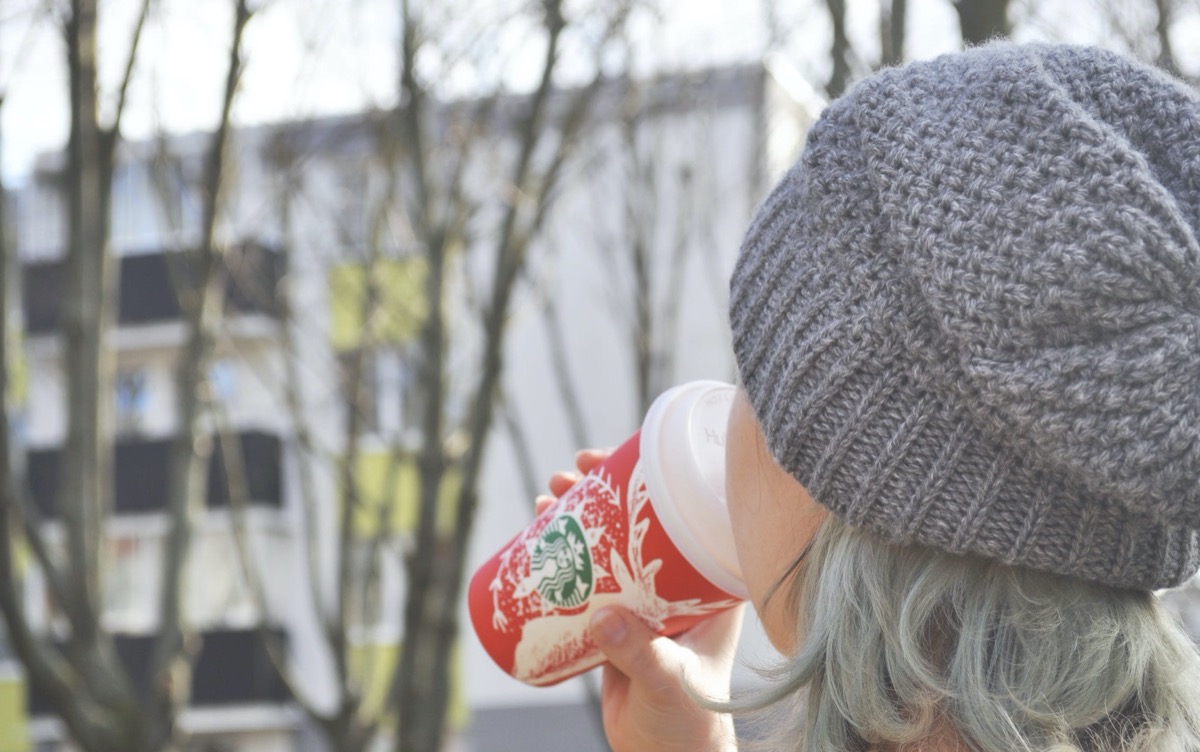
x=608 y=627
x=543 y=498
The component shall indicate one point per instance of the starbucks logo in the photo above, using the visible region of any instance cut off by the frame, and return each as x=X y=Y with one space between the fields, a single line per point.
x=561 y=565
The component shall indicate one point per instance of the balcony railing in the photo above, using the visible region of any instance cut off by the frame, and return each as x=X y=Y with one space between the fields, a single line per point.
x=149 y=283
x=141 y=472
x=231 y=668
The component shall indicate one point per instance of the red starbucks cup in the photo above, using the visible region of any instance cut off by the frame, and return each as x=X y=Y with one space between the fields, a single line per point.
x=647 y=529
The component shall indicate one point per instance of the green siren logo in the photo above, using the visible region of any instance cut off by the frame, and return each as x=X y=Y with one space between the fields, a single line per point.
x=561 y=565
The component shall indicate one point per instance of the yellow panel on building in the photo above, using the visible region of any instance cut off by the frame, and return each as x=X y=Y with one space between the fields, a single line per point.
x=389 y=491
x=395 y=318
x=18 y=372
x=14 y=719
x=374 y=664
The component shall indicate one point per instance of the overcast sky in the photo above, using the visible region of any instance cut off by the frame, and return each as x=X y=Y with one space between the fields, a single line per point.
x=307 y=57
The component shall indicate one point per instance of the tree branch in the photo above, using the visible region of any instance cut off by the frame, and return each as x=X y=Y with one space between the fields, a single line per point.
x=46 y=670
x=839 y=51
x=1162 y=30
x=435 y=567
x=430 y=617
x=202 y=302
x=982 y=20
x=304 y=439
x=893 y=16
x=115 y=129
x=348 y=491
x=672 y=305
x=239 y=503
x=87 y=317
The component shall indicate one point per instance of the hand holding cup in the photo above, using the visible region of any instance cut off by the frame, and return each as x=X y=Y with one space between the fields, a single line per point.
x=644 y=528
x=645 y=704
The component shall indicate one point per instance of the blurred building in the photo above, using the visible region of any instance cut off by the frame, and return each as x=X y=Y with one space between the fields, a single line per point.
x=675 y=166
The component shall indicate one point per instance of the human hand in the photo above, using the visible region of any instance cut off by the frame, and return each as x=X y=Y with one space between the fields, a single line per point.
x=586 y=460
x=646 y=705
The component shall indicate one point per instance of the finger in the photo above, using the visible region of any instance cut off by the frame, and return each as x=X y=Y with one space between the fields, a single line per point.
x=587 y=459
x=541 y=502
x=560 y=482
x=634 y=650
x=614 y=694
x=612 y=683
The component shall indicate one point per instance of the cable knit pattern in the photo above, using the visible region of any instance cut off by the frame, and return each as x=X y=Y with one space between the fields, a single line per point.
x=969 y=317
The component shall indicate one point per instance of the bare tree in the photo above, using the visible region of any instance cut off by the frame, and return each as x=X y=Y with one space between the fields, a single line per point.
x=461 y=193
x=352 y=724
x=543 y=137
x=103 y=707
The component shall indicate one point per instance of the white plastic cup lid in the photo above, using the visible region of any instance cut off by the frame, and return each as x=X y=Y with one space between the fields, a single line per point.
x=682 y=449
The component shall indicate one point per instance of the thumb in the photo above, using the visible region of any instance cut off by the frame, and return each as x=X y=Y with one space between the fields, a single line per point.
x=635 y=650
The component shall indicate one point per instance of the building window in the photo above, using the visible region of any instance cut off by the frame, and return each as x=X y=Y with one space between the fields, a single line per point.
x=133 y=397
x=222 y=382
x=396 y=383
x=387 y=397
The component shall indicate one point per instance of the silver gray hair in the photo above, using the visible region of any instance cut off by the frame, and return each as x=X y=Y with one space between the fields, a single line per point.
x=897 y=642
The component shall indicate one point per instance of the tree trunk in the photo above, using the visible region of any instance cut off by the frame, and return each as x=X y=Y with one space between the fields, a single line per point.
x=893 y=19
x=982 y=20
x=202 y=300
x=1162 y=29
x=421 y=712
x=839 y=50
x=88 y=315
x=437 y=562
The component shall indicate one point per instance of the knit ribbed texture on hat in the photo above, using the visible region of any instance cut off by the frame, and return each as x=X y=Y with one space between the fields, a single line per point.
x=969 y=317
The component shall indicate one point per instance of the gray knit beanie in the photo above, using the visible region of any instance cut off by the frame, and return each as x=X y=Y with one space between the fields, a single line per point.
x=969 y=317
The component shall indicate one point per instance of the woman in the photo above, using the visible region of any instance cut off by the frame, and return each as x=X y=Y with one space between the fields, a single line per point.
x=966 y=449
